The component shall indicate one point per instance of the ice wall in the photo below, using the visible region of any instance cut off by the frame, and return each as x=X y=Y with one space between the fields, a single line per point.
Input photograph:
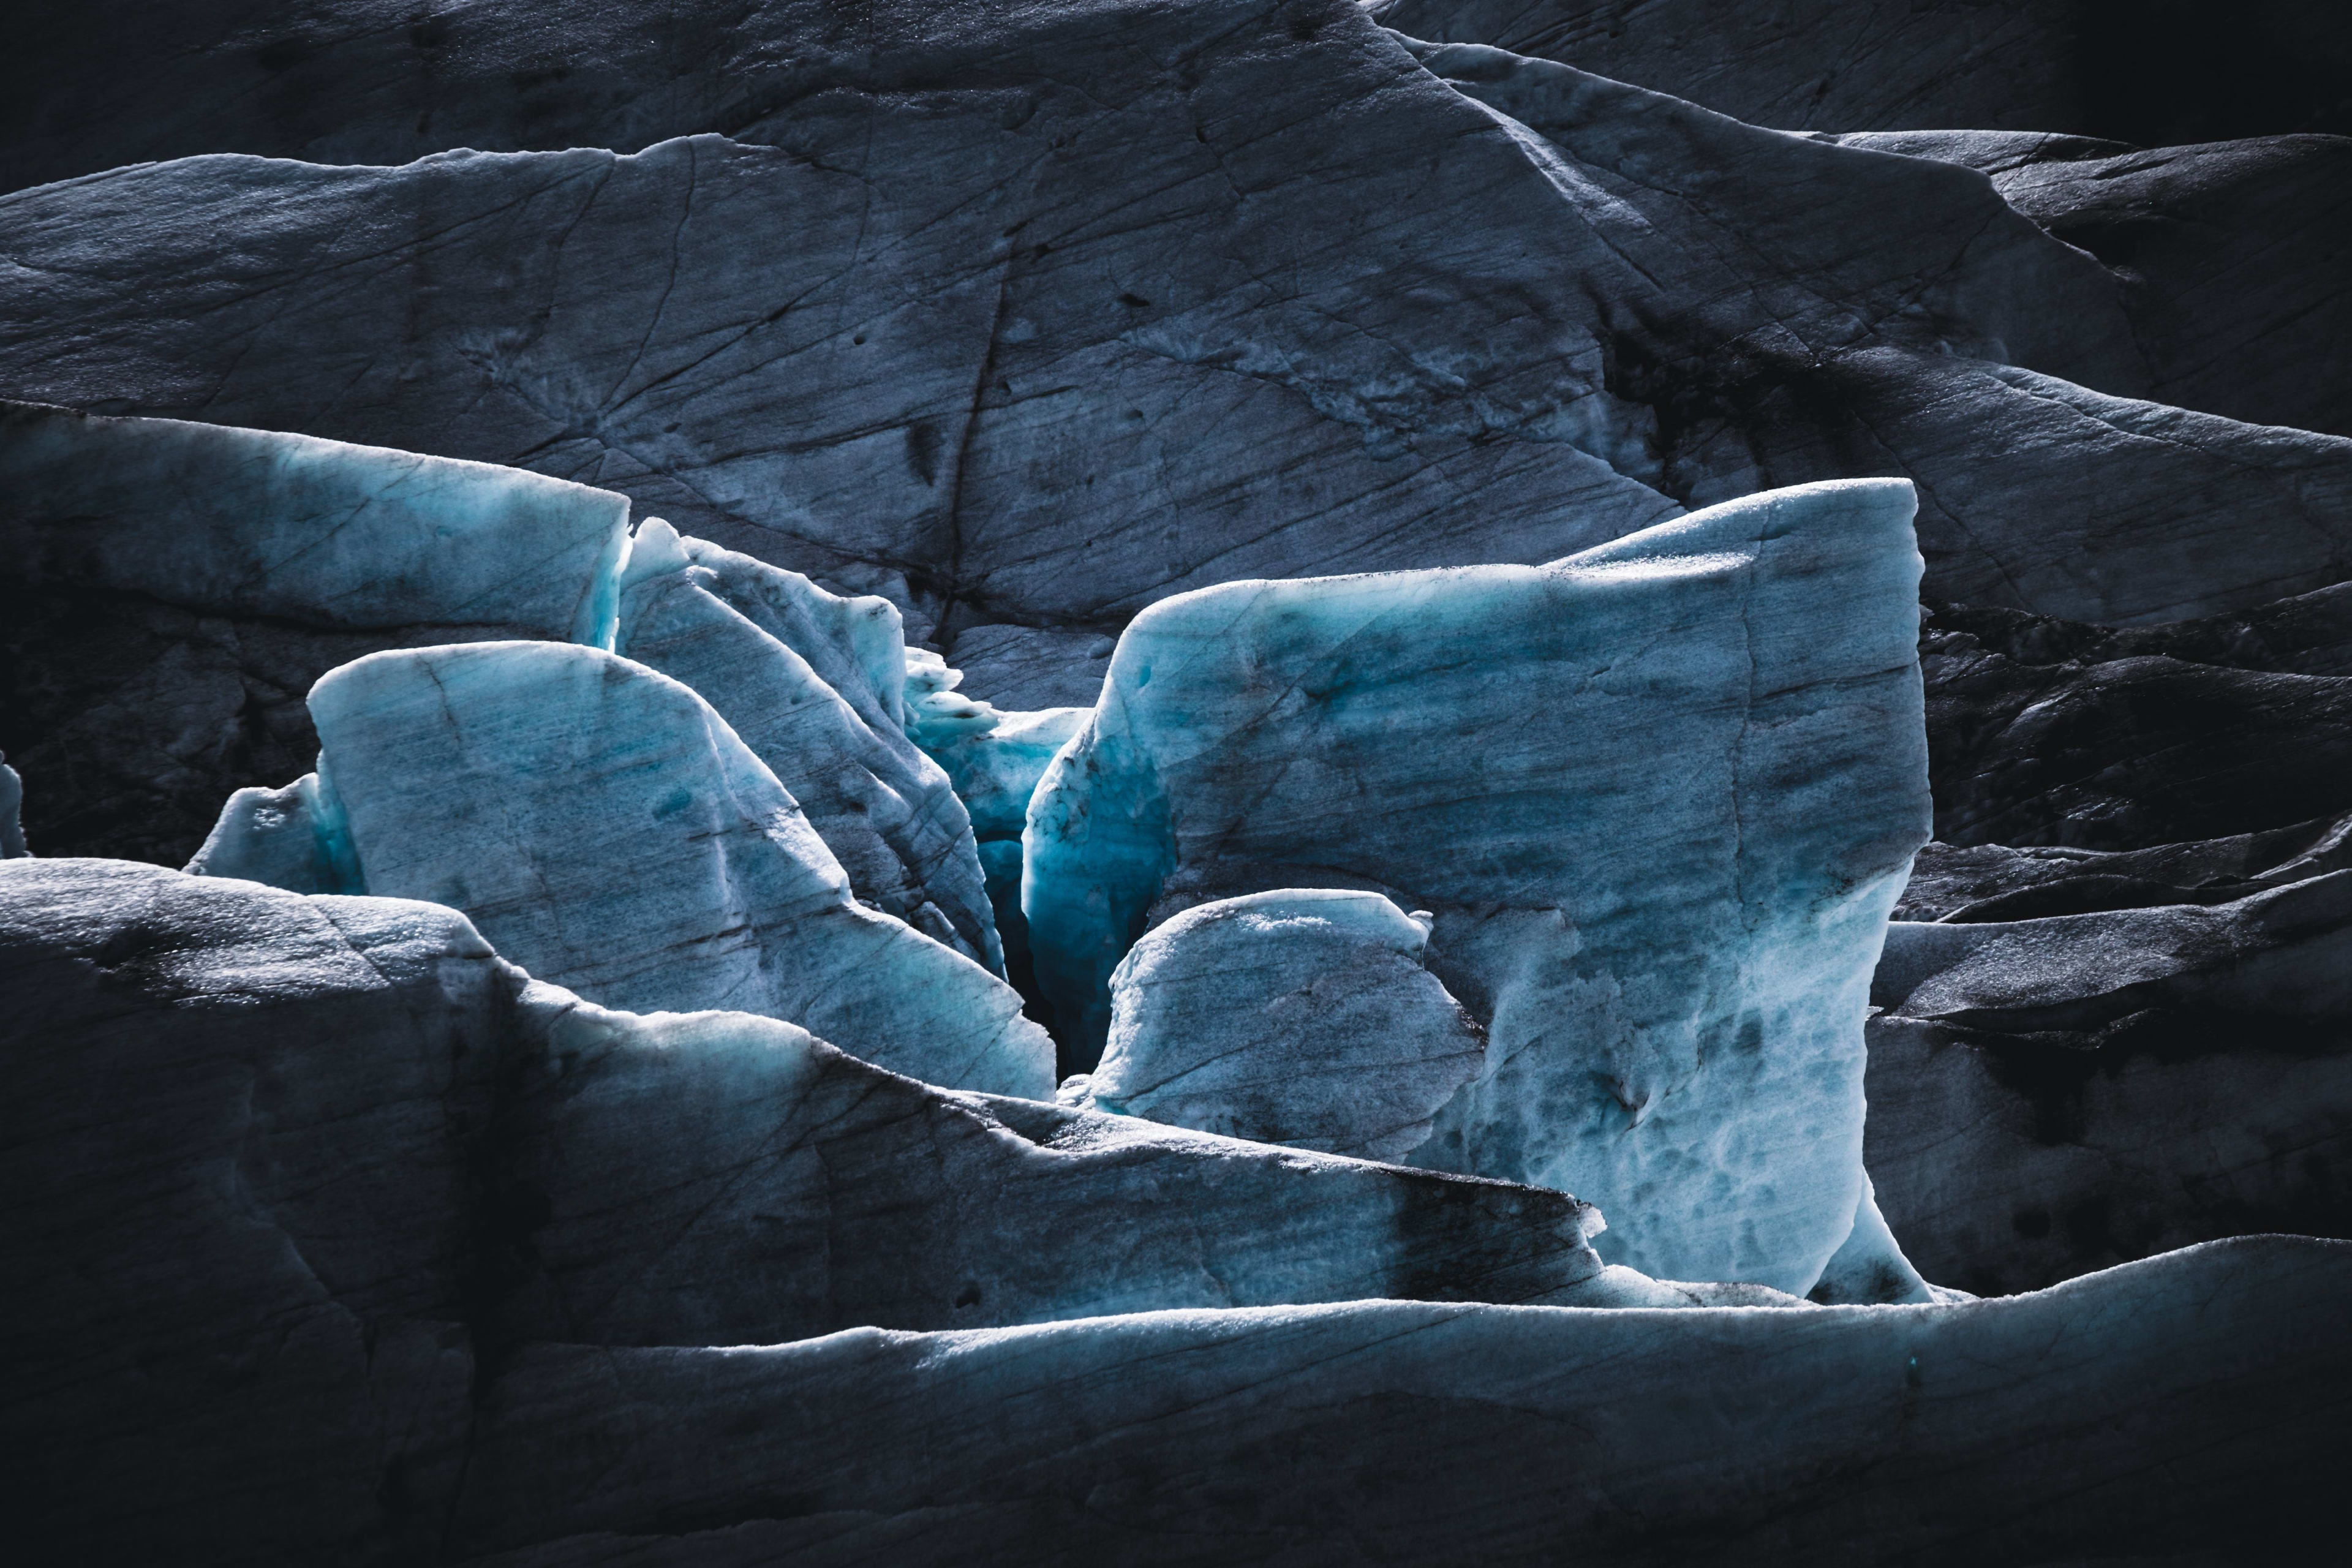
x=1659 y=797
x=612 y=834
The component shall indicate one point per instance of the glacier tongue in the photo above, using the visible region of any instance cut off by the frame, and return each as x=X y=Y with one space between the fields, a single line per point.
x=1659 y=796
x=610 y=832
x=813 y=684
x=1300 y=1016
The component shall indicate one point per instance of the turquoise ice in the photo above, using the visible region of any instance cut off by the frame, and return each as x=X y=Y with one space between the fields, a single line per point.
x=1658 y=797
x=609 y=831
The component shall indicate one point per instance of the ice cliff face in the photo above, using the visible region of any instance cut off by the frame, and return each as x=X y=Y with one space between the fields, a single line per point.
x=816 y=685
x=1659 y=798
x=367 y=1201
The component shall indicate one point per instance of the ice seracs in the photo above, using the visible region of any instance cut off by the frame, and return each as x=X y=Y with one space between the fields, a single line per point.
x=1658 y=798
x=601 y=822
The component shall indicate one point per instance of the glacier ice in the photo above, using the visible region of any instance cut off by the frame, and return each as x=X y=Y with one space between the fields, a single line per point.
x=610 y=832
x=12 y=802
x=1301 y=1015
x=1659 y=797
x=697 y=1178
x=997 y=767
x=995 y=760
x=354 y=1199
x=262 y=522
x=288 y=838
x=1869 y=1266
x=170 y=591
x=814 y=684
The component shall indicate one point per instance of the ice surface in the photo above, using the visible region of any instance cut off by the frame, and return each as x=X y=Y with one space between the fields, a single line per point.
x=610 y=832
x=328 y=534
x=263 y=1122
x=1659 y=797
x=813 y=683
x=2052 y=1096
x=288 y=837
x=801 y=1192
x=1300 y=1016
x=709 y=1177
x=995 y=768
x=1031 y=668
x=2177 y=1410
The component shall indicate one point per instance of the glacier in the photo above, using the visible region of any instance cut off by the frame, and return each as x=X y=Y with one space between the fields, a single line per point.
x=270 y=523
x=377 y=1202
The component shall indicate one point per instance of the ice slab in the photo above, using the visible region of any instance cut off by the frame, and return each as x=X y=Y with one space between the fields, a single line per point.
x=270 y=1151
x=814 y=684
x=1302 y=1015
x=1659 y=797
x=169 y=591
x=710 y=1177
x=2054 y=1095
x=611 y=833
x=2038 y=1430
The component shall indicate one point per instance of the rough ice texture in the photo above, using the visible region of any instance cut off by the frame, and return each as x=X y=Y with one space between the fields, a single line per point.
x=169 y=591
x=1302 y=1015
x=261 y=523
x=2227 y=254
x=995 y=760
x=290 y=838
x=293 y=1178
x=611 y=833
x=2033 y=1430
x=1659 y=796
x=328 y=81
x=1031 y=668
x=1120 y=331
x=813 y=683
x=997 y=769
x=1971 y=883
x=1870 y=1267
x=312 y=1193
x=2053 y=733
x=2053 y=1095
